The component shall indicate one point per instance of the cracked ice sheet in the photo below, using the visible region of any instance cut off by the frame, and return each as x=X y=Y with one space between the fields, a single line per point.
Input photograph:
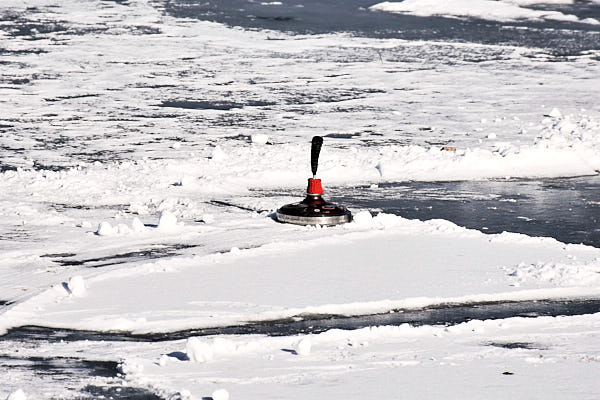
x=92 y=99
x=372 y=265
x=513 y=358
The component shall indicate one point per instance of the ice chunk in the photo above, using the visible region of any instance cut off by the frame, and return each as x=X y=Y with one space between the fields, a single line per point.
x=198 y=351
x=17 y=395
x=555 y=113
x=208 y=218
x=105 y=229
x=303 y=347
x=84 y=224
x=167 y=220
x=259 y=138
x=218 y=154
x=76 y=286
x=362 y=218
x=220 y=394
x=122 y=229
x=137 y=225
x=163 y=360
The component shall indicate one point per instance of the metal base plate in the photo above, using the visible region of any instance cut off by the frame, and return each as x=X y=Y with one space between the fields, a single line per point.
x=328 y=220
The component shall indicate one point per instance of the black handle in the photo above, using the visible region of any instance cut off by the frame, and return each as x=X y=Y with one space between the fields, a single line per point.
x=317 y=142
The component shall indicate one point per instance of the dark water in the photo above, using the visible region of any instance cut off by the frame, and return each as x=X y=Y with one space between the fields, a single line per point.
x=353 y=16
x=566 y=209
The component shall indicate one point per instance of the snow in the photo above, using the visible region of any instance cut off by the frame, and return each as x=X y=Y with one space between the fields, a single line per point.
x=502 y=10
x=17 y=395
x=198 y=351
x=303 y=347
x=167 y=221
x=260 y=138
x=167 y=233
x=105 y=229
x=220 y=394
x=76 y=286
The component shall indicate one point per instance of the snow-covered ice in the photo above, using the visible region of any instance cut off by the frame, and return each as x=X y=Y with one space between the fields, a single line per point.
x=498 y=10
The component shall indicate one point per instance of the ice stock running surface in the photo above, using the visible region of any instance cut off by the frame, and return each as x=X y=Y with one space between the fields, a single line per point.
x=133 y=137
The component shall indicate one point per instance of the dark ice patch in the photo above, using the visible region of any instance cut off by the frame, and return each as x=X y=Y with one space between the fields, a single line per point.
x=159 y=251
x=64 y=369
x=113 y=155
x=6 y=167
x=14 y=81
x=20 y=26
x=517 y=345
x=275 y=18
x=37 y=166
x=54 y=255
x=79 y=96
x=121 y=2
x=61 y=207
x=64 y=366
x=118 y=393
x=144 y=30
x=342 y=135
x=213 y=105
x=17 y=233
x=329 y=95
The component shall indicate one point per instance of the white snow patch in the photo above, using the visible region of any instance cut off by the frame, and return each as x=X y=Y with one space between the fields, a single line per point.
x=220 y=394
x=362 y=218
x=259 y=138
x=18 y=394
x=106 y=229
x=559 y=274
x=198 y=350
x=167 y=220
x=484 y=9
x=76 y=286
x=137 y=225
x=555 y=113
x=218 y=154
x=303 y=346
x=131 y=367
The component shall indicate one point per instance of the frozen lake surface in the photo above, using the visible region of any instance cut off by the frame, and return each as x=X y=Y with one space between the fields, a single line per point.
x=145 y=144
